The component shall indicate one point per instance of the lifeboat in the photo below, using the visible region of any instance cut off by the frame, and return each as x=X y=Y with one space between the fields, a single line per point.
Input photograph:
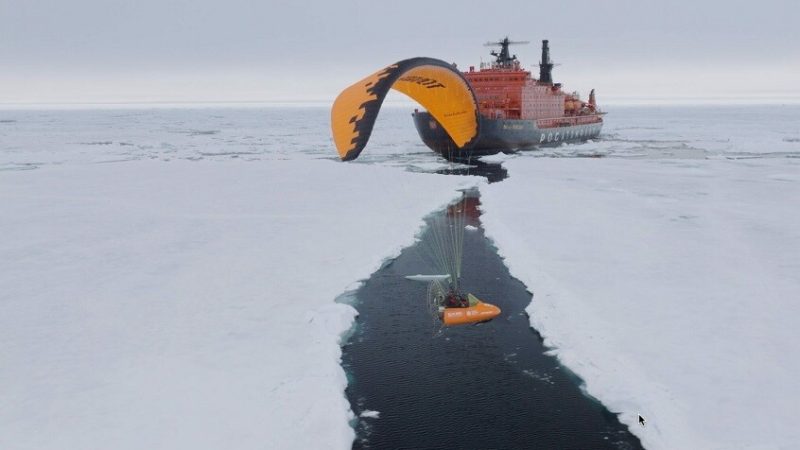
x=477 y=311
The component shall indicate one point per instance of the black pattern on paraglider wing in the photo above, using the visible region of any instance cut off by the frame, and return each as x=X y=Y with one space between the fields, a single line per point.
x=363 y=126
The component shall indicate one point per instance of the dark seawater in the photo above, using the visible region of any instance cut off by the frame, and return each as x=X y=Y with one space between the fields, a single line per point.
x=479 y=386
x=492 y=172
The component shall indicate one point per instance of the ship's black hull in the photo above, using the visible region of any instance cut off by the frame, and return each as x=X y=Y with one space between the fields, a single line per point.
x=498 y=135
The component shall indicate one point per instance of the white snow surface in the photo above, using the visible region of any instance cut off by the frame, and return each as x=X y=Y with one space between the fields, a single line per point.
x=670 y=286
x=168 y=275
x=497 y=158
x=189 y=304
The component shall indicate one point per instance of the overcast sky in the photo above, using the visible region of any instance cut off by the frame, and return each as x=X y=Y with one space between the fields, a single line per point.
x=266 y=50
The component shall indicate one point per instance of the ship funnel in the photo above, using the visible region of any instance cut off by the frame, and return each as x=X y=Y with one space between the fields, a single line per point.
x=545 y=65
x=592 y=101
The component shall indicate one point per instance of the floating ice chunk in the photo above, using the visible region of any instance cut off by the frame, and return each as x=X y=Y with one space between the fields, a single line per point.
x=471 y=228
x=370 y=414
x=428 y=277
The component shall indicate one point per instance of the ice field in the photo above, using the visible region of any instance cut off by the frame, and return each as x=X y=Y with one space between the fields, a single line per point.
x=670 y=286
x=169 y=274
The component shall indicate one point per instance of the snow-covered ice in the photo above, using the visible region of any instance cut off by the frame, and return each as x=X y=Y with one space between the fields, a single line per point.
x=185 y=303
x=497 y=158
x=168 y=276
x=670 y=286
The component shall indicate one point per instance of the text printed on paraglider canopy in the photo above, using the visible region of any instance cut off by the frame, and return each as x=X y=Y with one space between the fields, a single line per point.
x=427 y=82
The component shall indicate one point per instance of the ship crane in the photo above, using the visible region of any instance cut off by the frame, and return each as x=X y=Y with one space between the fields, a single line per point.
x=504 y=58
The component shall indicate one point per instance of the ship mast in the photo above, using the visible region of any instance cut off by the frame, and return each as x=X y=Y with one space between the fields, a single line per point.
x=505 y=60
x=545 y=65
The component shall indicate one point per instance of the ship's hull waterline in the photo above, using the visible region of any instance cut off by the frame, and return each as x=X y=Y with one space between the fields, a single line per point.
x=497 y=135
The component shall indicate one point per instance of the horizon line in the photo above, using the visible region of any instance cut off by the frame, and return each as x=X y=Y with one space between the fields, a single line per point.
x=619 y=101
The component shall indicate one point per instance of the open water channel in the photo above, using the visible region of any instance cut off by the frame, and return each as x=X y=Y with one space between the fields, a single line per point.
x=490 y=385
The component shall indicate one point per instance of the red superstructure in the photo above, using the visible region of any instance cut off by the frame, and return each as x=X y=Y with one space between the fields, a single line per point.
x=507 y=91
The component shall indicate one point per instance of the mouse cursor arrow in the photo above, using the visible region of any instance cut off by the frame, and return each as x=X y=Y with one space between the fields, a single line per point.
x=641 y=420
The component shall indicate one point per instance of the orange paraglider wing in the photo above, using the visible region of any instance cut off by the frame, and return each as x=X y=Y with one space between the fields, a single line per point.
x=434 y=84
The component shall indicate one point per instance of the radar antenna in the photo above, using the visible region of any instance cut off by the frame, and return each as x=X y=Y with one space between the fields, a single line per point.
x=504 y=58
